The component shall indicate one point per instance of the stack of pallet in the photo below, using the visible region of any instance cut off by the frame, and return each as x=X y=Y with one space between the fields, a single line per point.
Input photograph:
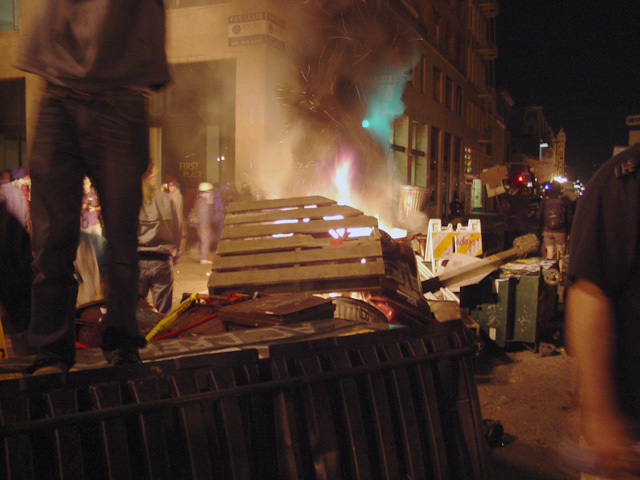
x=293 y=245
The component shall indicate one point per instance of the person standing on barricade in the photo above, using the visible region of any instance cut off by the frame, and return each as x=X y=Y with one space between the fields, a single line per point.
x=99 y=60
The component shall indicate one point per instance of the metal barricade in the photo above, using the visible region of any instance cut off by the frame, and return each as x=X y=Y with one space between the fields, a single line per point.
x=393 y=404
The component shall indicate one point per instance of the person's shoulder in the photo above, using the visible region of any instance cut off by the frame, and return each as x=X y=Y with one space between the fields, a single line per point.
x=627 y=162
x=618 y=169
x=622 y=165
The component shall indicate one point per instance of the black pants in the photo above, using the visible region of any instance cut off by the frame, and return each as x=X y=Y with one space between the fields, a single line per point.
x=15 y=278
x=157 y=276
x=105 y=137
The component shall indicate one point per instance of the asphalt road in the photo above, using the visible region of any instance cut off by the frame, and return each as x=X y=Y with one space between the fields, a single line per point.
x=532 y=396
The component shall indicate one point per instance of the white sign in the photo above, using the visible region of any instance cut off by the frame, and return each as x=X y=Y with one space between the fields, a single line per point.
x=256 y=28
x=633 y=120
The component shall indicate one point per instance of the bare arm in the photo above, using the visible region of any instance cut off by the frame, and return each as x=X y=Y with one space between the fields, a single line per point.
x=591 y=340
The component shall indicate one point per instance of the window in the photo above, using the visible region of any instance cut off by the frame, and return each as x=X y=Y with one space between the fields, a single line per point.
x=456 y=164
x=434 y=153
x=424 y=75
x=459 y=51
x=13 y=125
x=419 y=154
x=448 y=93
x=450 y=42
x=399 y=147
x=8 y=15
x=418 y=74
x=191 y=3
x=437 y=84
x=458 y=100
x=446 y=154
x=438 y=27
x=468 y=160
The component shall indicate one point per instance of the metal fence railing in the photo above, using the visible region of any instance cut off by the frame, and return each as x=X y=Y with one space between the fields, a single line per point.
x=400 y=403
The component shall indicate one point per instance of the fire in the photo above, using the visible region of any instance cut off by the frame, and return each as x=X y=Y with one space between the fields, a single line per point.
x=342 y=183
x=342 y=179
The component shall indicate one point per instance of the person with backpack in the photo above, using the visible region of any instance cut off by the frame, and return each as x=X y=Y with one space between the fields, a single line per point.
x=554 y=214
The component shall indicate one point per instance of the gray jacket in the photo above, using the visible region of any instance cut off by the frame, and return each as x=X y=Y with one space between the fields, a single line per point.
x=160 y=228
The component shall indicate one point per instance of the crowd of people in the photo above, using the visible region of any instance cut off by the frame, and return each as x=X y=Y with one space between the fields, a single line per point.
x=15 y=257
x=92 y=122
x=549 y=216
x=163 y=234
x=162 y=238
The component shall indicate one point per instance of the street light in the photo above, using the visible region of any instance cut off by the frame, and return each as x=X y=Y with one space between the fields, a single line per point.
x=542 y=145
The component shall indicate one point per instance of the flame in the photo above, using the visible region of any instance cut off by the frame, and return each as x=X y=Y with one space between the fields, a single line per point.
x=342 y=179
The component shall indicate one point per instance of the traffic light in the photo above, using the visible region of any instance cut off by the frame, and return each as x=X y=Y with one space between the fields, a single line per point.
x=519 y=175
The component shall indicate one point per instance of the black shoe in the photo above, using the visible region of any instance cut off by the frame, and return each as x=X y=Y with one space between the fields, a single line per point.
x=45 y=366
x=122 y=356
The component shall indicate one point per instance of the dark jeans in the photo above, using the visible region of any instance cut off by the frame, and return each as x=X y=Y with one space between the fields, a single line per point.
x=157 y=276
x=105 y=137
x=15 y=280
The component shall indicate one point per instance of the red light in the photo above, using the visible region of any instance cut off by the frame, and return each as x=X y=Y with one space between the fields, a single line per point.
x=520 y=179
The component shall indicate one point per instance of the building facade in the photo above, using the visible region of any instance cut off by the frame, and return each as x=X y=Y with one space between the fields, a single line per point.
x=534 y=142
x=455 y=121
x=281 y=94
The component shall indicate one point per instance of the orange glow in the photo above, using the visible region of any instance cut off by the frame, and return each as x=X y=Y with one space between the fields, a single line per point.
x=342 y=179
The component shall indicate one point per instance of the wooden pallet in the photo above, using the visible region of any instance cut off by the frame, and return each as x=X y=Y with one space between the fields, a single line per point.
x=285 y=246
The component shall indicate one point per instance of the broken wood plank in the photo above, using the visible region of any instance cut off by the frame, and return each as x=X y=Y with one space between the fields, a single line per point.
x=320 y=227
x=274 y=244
x=235 y=207
x=296 y=274
x=280 y=245
x=355 y=252
x=257 y=216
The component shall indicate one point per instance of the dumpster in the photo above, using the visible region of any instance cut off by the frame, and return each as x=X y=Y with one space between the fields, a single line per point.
x=517 y=303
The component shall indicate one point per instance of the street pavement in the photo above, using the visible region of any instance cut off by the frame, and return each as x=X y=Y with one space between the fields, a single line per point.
x=532 y=396
x=189 y=276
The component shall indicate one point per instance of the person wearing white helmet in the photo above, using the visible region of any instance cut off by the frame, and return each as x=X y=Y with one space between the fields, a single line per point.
x=210 y=209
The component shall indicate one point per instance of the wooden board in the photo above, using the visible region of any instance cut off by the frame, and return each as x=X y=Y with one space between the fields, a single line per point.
x=286 y=246
x=276 y=310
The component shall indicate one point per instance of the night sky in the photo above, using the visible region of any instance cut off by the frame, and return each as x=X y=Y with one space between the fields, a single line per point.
x=580 y=61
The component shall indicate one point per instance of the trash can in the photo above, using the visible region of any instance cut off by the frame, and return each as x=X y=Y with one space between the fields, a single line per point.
x=412 y=201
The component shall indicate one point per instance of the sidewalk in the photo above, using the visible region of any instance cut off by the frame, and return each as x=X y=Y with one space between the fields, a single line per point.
x=189 y=276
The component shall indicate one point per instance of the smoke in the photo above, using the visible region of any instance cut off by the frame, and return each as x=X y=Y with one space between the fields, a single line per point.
x=351 y=61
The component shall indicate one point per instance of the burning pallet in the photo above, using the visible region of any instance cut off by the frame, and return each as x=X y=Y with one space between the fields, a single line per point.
x=301 y=244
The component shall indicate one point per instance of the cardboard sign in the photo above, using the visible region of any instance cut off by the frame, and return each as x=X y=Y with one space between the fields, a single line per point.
x=443 y=242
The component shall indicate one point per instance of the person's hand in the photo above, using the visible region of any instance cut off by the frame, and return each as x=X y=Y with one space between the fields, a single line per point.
x=608 y=434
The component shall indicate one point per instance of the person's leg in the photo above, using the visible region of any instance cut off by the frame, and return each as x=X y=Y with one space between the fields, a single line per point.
x=550 y=245
x=218 y=232
x=551 y=252
x=162 y=285
x=561 y=242
x=144 y=281
x=118 y=153
x=205 y=242
x=56 y=170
